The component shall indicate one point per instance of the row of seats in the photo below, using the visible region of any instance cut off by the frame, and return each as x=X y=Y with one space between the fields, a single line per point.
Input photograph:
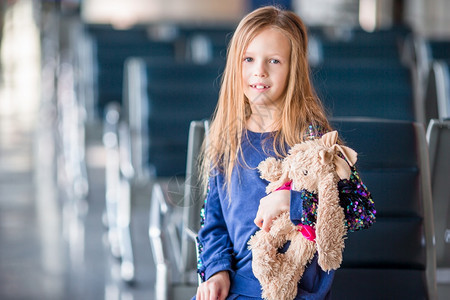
x=421 y=91
x=365 y=87
x=161 y=98
x=358 y=73
x=171 y=95
x=433 y=61
x=337 y=43
x=137 y=147
x=426 y=56
x=146 y=137
x=395 y=258
x=112 y=47
x=437 y=109
x=368 y=75
x=438 y=137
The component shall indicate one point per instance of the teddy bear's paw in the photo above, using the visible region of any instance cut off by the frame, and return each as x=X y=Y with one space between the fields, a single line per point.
x=330 y=261
x=287 y=292
x=281 y=226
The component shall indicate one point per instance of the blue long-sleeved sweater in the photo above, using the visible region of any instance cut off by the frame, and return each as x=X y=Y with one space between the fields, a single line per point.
x=228 y=225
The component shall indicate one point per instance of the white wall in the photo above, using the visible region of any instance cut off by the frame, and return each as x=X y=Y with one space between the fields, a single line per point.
x=327 y=12
x=427 y=17
x=430 y=18
x=124 y=13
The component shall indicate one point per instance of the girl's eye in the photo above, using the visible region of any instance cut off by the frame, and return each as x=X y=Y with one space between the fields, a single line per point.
x=248 y=59
x=274 y=61
x=305 y=172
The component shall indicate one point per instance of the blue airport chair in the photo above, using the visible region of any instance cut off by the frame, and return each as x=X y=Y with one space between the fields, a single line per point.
x=173 y=228
x=427 y=52
x=356 y=43
x=438 y=137
x=365 y=88
x=395 y=258
x=161 y=98
x=437 y=94
x=111 y=48
x=203 y=44
x=159 y=108
x=438 y=49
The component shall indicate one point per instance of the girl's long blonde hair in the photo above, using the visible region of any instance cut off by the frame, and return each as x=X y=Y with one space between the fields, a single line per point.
x=301 y=106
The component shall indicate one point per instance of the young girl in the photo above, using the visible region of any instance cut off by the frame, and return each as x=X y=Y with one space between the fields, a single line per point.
x=266 y=105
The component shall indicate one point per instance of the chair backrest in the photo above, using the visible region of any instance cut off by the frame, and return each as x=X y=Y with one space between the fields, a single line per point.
x=358 y=43
x=112 y=48
x=438 y=137
x=437 y=94
x=206 y=42
x=362 y=74
x=194 y=196
x=365 y=88
x=170 y=95
x=438 y=49
x=397 y=252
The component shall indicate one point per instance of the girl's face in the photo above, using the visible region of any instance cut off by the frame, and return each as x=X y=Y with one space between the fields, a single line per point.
x=265 y=69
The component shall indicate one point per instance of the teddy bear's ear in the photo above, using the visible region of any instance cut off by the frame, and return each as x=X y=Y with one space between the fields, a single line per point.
x=325 y=157
x=270 y=169
x=349 y=154
x=330 y=138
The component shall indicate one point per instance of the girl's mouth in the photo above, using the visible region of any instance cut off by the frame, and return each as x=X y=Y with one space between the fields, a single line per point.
x=259 y=86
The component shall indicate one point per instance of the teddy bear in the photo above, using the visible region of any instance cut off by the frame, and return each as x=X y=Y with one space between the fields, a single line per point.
x=316 y=166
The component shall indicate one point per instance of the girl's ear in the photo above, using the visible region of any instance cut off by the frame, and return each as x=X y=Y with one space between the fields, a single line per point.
x=270 y=169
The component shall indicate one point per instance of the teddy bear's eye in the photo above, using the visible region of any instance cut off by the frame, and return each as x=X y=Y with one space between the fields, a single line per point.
x=305 y=172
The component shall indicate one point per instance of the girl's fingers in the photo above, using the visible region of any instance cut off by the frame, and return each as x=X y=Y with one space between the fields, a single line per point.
x=199 y=294
x=202 y=293
x=212 y=292
x=258 y=221
x=266 y=225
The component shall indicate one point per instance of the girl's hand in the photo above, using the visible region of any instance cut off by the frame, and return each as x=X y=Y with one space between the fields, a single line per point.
x=216 y=287
x=270 y=207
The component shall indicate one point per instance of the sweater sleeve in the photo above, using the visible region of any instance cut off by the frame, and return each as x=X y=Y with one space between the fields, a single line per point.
x=296 y=207
x=359 y=208
x=214 y=244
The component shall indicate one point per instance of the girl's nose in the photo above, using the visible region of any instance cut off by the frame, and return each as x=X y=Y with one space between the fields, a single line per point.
x=260 y=70
x=260 y=74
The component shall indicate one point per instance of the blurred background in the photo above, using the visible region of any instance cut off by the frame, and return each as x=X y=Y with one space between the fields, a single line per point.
x=98 y=193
